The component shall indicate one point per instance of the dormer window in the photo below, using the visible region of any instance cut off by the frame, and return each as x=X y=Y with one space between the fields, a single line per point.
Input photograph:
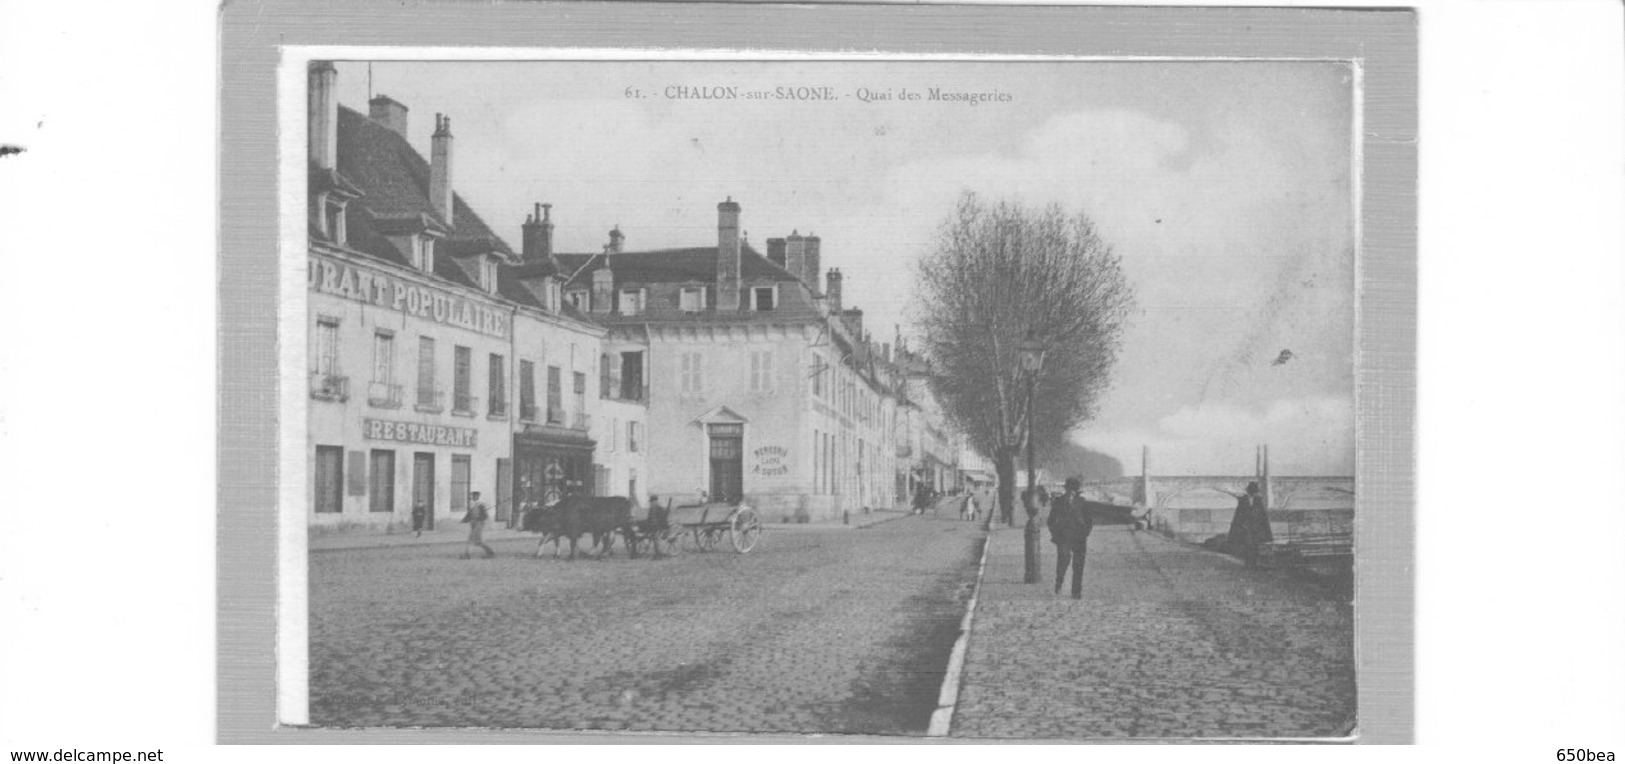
x=577 y=298
x=691 y=299
x=764 y=298
x=488 y=274
x=423 y=253
x=631 y=302
x=555 y=295
x=332 y=211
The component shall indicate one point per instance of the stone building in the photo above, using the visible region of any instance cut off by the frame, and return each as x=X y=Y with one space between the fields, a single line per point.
x=760 y=386
x=441 y=361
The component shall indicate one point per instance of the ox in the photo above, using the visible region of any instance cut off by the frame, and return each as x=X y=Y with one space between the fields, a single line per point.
x=601 y=516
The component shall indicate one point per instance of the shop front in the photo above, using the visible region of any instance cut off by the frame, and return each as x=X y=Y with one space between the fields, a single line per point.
x=550 y=466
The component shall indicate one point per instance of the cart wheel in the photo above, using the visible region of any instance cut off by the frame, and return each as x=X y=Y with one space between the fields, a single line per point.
x=705 y=539
x=671 y=541
x=746 y=530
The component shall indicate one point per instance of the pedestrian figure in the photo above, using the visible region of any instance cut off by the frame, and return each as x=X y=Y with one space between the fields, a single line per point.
x=478 y=513
x=419 y=514
x=1250 y=526
x=1070 y=522
x=970 y=508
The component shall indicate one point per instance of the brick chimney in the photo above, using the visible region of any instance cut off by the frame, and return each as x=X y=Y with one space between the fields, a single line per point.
x=615 y=239
x=728 y=267
x=537 y=233
x=440 y=169
x=603 y=288
x=775 y=253
x=833 y=291
x=324 y=115
x=810 y=254
x=388 y=112
x=795 y=256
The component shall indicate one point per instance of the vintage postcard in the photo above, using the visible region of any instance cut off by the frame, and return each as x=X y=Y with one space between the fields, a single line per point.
x=990 y=398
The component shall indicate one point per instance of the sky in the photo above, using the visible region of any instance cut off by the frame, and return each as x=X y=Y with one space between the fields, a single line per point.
x=1226 y=187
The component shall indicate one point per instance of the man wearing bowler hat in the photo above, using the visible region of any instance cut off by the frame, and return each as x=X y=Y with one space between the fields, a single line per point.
x=1070 y=521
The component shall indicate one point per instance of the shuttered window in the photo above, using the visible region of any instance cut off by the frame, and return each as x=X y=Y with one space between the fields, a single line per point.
x=761 y=371
x=693 y=381
x=460 y=468
x=527 y=390
x=461 y=379
x=327 y=346
x=426 y=391
x=382 y=497
x=498 y=405
x=329 y=479
x=383 y=358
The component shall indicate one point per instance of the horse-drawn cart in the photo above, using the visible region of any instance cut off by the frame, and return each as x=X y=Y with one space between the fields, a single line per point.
x=669 y=529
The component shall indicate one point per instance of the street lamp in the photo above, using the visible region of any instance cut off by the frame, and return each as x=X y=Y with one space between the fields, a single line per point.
x=1032 y=360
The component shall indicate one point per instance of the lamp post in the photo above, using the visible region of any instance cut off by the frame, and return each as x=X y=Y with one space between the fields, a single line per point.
x=1032 y=359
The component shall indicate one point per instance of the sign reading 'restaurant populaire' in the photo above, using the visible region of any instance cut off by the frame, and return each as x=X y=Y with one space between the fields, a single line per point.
x=366 y=285
x=412 y=432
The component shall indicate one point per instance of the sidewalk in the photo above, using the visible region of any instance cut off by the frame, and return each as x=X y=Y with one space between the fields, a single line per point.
x=450 y=531
x=1169 y=641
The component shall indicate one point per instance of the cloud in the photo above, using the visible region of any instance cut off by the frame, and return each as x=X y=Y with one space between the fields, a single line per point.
x=1306 y=436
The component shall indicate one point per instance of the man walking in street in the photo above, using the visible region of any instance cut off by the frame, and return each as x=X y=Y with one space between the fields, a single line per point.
x=478 y=513
x=1070 y=522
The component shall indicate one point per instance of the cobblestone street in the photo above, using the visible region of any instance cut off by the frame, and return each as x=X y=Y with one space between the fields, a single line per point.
x=1169 y=641
x=817 y=630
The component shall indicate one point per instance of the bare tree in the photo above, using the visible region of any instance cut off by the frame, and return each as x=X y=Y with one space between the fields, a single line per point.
x=998 y=272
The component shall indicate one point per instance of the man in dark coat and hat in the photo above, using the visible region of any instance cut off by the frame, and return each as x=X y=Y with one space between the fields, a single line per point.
x=1071 y=519
x=1250 y=526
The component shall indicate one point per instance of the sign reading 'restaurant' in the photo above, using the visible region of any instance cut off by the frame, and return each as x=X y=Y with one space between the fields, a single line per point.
x=412 y=432
x=352 y=282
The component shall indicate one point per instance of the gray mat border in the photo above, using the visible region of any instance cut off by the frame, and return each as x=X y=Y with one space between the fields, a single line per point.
x=251 y=33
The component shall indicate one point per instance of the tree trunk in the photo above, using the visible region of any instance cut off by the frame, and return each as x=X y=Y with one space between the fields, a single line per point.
x=1004 y=463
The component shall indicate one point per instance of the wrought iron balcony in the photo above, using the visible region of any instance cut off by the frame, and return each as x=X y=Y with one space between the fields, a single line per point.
x=430 y=400
x=329 y=387
x=384 y=395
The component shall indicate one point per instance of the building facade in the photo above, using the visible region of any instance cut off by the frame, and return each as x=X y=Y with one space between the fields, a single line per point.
x=441 y=361
x=759 y=386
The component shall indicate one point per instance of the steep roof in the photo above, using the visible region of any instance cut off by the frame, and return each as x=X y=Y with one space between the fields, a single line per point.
x=682 y=265
x=393 y=179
